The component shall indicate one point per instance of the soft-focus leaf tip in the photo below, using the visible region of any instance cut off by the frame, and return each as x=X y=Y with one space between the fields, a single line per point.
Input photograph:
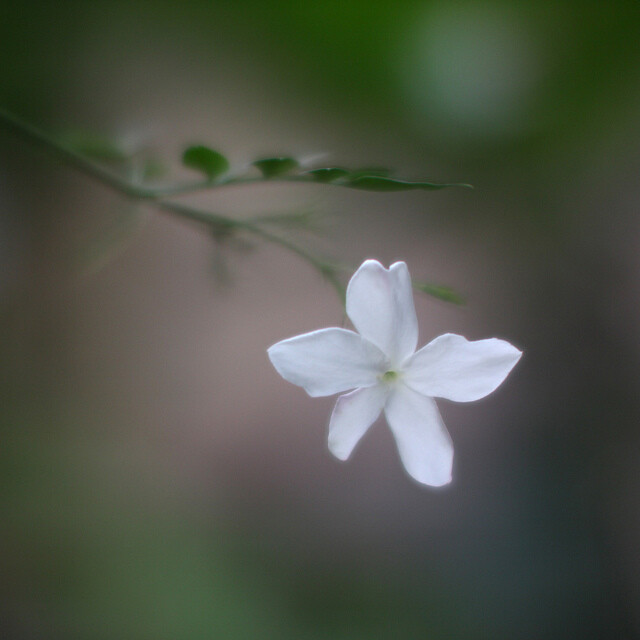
x=272 y=167
x=208 y=161
x=446 y=294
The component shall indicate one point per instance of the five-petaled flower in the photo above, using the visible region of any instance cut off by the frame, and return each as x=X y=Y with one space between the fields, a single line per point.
x=387 y=374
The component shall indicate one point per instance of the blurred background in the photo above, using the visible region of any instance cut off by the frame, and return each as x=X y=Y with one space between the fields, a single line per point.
x=160 y=481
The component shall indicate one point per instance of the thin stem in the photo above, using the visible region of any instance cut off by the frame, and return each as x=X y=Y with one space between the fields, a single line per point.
x=71 y=157
x=80 y=162
x=204 y=185
x=222 y=223
x=325 y=268
x=129 y=189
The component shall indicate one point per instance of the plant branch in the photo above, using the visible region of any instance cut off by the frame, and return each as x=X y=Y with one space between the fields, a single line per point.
x=81 y=163
x=223 y=223
x=69 y=156
x=156 y=196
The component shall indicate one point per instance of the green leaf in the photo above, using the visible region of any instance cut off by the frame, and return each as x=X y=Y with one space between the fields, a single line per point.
x=447 y=294
x=328 y=174
x=206 y=160
x=272 y=167
x=379 y=183
x=370 y=171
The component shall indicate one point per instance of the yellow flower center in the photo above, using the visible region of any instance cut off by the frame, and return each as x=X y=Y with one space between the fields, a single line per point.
x=390 y=376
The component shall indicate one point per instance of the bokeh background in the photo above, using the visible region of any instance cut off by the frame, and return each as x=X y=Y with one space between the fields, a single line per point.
x=159 y=481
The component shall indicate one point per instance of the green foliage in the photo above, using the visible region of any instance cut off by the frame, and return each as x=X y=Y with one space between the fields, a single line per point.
x=370 y=171
x=380 y=183
x=206 y=160
x=446 y=294
x=329 y=174
x=273 y=167
x=214 y=164
x=374 y=179
x=77 y=151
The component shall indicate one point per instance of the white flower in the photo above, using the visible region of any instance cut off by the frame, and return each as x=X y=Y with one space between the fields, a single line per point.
x=387 y=374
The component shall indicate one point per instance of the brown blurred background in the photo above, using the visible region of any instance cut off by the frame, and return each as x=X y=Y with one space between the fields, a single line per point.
x=160 y=481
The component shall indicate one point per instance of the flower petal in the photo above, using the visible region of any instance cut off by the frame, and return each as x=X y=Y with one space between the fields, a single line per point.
x=380 y=305
x=353 y=414
x=452 y=367
x=328 y=361
x=423 y=441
